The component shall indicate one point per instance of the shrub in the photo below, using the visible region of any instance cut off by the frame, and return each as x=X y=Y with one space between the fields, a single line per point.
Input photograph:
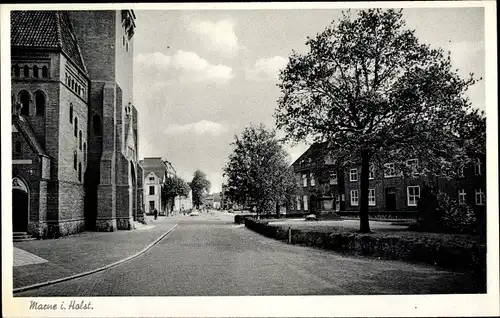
x=441 y=213
x=455 y=217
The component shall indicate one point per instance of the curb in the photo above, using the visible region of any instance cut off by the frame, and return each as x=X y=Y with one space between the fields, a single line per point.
x=63 y=279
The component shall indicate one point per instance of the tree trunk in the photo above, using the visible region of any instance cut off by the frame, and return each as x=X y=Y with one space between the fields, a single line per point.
x=364 y=225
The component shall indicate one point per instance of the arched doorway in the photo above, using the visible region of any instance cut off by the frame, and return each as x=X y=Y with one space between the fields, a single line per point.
x=20 y=206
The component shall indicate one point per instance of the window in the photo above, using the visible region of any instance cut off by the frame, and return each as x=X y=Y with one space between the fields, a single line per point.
x=80 y=171
x=333 y=178
x=71 y=113
x=25 y=103
x=18 y=147
x=371 y=197
x=353 y=175
x=412 y=165
x=151 y=178
x=478 y=168
x=40 y=103
x=371 y=173
x=151 y=205
x=80 y=140
x=123 y=40
x=313 y=182
x=126 y=46
x=17 y=71
x=75 y=159
x=354 y=197
x=45 y=72
x=390 y=170
x=297 y=201
x=480 y=197
x=96 y=124
x=462 y=196
x=76 y=127
x=72 y=84
x=304 y=180
x=413 y=195
x=26 y=71
x=306 y=207
x=35 y=71
x=84 y=153
x=151 y=190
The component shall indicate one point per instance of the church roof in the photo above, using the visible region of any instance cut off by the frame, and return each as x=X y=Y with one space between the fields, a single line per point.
x=25 y=128
x=46 y=29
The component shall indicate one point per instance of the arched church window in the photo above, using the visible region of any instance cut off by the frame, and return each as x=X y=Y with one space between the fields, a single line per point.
x=80 y=171
x=76 y=127
x=18 y=147
x=25 y=102
x=17 y=71
x=26 y=71
x=40 y=103
x=84 y=153
x=35 y=71
x=75 y=159
x=80 y=140
x=96 y=124
x=71 y=113
x=45 y=72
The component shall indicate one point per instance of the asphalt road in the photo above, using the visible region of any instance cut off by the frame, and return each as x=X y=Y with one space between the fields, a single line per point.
x=208 y=255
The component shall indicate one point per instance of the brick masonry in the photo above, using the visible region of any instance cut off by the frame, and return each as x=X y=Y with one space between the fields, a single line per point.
x=102 y=194
x=470 y=182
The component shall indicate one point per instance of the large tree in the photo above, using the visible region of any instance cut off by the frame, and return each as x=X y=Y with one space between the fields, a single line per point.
x=374 y=93
x=200 y=186
x=174 y=186
x=258 y=170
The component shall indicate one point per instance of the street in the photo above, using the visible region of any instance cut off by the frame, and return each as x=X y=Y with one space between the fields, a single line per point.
x=208 y=255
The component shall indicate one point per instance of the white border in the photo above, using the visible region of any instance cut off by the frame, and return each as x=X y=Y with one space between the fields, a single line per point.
x=300 y=306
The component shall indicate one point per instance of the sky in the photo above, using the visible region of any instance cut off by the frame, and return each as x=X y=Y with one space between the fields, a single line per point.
x=202 y=76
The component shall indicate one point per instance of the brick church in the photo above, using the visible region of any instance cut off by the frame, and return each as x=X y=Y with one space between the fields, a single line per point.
x=74 y=125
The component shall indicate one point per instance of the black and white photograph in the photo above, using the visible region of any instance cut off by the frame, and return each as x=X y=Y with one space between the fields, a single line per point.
x=251 y=159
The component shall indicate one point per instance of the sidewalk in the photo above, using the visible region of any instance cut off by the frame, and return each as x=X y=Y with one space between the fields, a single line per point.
x=57 y=258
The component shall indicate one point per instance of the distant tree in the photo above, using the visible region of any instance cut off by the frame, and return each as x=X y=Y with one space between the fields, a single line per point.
x=374 y=93
x=258 y=170
x=200 y=186
x=174 y=186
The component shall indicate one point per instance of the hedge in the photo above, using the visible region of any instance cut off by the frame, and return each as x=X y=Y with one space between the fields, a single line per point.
x=451 y=253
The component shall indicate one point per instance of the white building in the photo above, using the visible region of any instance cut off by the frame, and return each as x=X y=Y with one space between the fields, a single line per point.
x=152 y=192
x=155 y=171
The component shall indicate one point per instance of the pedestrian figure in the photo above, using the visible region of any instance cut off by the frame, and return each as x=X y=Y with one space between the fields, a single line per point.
x=155 y=211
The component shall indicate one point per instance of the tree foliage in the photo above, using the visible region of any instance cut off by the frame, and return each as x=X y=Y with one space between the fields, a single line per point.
x=258 y=170
x=174 y=186
x=375 y=94
x=200 y=186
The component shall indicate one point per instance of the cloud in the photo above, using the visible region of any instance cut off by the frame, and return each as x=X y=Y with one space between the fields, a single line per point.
x=266 y=68
x=186 y=66
x=202 y=127
x=217 y=36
